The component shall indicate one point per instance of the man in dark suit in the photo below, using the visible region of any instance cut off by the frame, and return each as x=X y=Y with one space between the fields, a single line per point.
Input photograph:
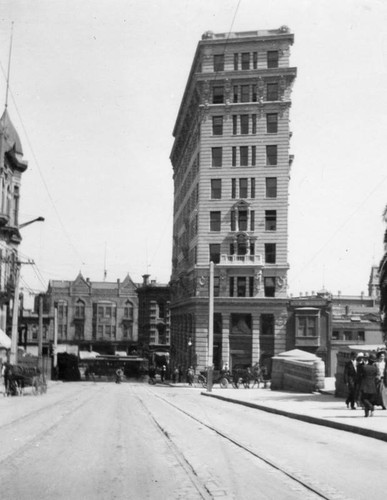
x=368 y=385
x=350 y=379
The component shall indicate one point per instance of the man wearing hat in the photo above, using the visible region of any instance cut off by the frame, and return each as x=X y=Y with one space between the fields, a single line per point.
x=350 y=380
x=368 y=385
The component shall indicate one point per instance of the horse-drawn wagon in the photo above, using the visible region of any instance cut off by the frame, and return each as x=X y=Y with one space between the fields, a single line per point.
x=19 y=377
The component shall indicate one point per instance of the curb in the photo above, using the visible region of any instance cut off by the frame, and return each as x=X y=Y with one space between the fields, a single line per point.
x=381 y=436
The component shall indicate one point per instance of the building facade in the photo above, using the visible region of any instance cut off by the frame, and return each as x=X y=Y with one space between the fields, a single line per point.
x=383 y=285
x=231 y=166
x=98 y=316
x=154 y=317
x=12 y=166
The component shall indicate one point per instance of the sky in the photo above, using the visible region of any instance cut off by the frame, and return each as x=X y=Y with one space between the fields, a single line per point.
x=95 y=87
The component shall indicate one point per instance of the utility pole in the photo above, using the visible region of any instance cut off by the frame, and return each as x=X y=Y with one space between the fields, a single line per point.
x=40 y=334
x=54 y=347
x=15 y=317
x=210 y=328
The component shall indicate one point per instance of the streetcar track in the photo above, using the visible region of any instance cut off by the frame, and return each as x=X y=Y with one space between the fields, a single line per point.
x=324 y=492
x=187 y=467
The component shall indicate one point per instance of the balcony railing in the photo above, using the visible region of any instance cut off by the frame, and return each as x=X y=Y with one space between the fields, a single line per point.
x=241 y=260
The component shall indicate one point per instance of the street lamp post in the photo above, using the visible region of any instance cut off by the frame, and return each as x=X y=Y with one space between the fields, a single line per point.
x=15 y=310
x=210 y=329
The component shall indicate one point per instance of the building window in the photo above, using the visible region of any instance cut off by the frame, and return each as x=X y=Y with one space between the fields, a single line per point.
x=62 y=311
x=241 y=286
x=245 y=60
x=231 y=286
x=269 y=286
x=235 y=93
x=216 y=189
x=272 y=58
x=216 y=157
x=253 y=155
x=271 y=187
x=272 y=92
x=215 y=221
x=270 y=220
x=128 y=310
x=271 y=155
x=243 y=188
x=232 y=220
x=272 y=123
x=270 y=253
x=245 y=93
x=255 y=60
x=80 y=309
x=267 y=324
x=244 y=124
x=217 y=95
x=242 y=220
x=236 y=57
x=335 y=335
x=217 y=125
x=254 y=92
x=234 y=156
x=127 y=331
x=361 y=336
x=347 y=335
x=234 y=124
x=253 y=124
x=252 y=185
x=233 y=188
x=244 y=156
x=79 y=330
x=307 y=326
x=219 y=62
x=215 y=253
x=216 y=286
x=252 y=248
x=252 y=220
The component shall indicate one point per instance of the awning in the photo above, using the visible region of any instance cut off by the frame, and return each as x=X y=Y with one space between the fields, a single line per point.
x=5 y=341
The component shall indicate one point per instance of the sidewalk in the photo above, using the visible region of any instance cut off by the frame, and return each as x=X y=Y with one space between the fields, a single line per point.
x=321 y=408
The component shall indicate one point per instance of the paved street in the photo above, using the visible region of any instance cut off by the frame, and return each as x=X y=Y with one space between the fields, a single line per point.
x=108 y=441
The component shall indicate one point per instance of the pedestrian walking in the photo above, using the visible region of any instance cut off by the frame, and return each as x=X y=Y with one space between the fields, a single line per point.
x=190 y=375
x=176 y=375
x=163 y=373
x=350 y=380
x=381 y=399
x=368 y=385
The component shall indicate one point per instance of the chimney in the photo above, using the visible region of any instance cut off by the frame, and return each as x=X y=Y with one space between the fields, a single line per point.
x=145 y=278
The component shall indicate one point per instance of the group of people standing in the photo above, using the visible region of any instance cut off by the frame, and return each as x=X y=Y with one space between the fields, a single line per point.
x=366 y=380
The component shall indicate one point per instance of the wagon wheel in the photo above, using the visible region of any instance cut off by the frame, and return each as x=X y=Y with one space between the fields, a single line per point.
x=223 y=383
x=202 y=380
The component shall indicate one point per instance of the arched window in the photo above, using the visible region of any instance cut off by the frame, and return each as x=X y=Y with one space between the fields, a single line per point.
x=128 y=310
x=80 y=309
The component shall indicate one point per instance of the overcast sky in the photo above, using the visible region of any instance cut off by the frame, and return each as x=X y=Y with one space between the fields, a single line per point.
x=95 y=89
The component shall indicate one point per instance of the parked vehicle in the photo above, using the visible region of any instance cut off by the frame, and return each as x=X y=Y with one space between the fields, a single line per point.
x=18 y=377
x=221 y=377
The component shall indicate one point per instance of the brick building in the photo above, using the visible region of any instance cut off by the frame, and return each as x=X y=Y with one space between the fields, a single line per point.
x=231 y=167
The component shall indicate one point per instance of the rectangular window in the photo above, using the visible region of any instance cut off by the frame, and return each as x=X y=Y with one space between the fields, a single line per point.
x=218 y=95
x=235 y=93
x=270 y=253
x=216 y=286
x=269 y=286
x=272 y=123
x=272 y=58
x=251 y=286
x=252 y=184
x=244 y=156
x=270 y=220
x=215 y=221
x=242 y=220
x=243 y=188
x=217 y=125
x=233 y=188
x=241 y=286
x=218 y=62
x=236 y=57
x=216 y=189
x=271 y=187
x=231 y=286
x=347 y=335
x=245 y=93
x=216 y=157
x=267 y=324
x=253 y=124
x=252 y=248
x=215 y=253
x=234 y=156
x=335 y=335
x=232 y=248
x=307 y=326
x=255 y=60
x=232 y=220
x=234 y=124
x=244 y=124
x=271 y=156
x=254 y=92
x=252 y=220
x=360 y=336
x=272 y=92
x=245 y=60
x=253 y=155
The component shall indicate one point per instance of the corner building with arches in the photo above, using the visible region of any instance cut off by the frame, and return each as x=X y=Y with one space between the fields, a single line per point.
x=231 y=168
